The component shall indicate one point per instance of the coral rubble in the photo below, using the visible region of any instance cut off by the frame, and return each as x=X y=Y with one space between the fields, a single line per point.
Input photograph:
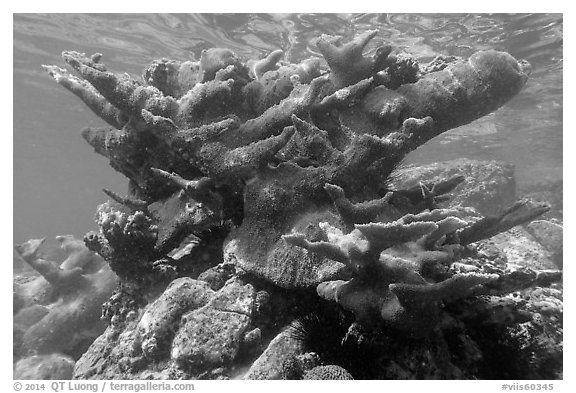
x=281 y=173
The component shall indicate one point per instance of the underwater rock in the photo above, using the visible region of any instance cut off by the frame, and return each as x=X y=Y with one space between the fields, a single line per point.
x=549 y=192
x=270 y=365
x=522 y=250
x=68 y=320
x=211 y=335
x=111 y=355
x=543 y=335
x=550 y=236
x=44 y=367
x=433 y=359
x=251 y=342
x=489 y=186
x=188 y=330
x=156 y=323
x=218 y=275
x=519 y=335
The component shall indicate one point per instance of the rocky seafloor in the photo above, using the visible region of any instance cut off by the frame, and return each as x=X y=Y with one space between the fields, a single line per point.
x=271 y=231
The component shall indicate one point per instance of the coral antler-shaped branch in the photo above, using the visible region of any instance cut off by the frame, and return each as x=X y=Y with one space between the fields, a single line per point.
x=171 y=77
x=389 y=262
x=384 y=235
x=519 y=213
x=88 y=94
x=213 y=60
x=446 y=226
x=204 y=102
x=347 y=64
x=279 y=116
x=415 y=308
x=357 y=213
x=456 y=287
x=132 y=203
x=125 y=94
x=195 y=208
x=345 y=96
x=361 y=248
x=124 y=148
x=327 y=249
x=486 y=80
x=269 y=63
x=199 y=188
x=351 y=249
x=202 y=147
x=309 y=146
x=51 y=271
x=186 y=141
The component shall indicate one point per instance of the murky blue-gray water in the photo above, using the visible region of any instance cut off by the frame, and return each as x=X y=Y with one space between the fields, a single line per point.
x=58 y=178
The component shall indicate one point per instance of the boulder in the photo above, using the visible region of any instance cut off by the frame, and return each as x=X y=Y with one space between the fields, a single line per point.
x=489 y=186
x=271 y=363
x=522 y=250
x=549 y=235
x=211 y=335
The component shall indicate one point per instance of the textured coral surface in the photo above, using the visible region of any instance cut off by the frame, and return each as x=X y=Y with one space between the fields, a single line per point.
x=281 y=174
x=59 y=310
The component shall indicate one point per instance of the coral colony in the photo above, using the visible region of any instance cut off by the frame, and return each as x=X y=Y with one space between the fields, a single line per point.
x=264 y=182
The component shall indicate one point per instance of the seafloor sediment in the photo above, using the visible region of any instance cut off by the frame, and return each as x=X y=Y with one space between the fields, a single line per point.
x=269 y=230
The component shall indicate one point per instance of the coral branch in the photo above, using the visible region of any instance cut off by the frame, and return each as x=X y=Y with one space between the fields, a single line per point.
x=279 y=116
x=172 y=78
x=205 y=102
x=88 y=94
x=462 y=92
x=134 y=204
x=245 y=161
x=269 y=63
x=125 y=94
x=326 y=249
x=346 y=96
x=445 y=226
x=457 y=286
x=60 y=310
x=382 y=236
x=309 y=146
x=215 y=59
x=346 y=62
x=358 y=213
x=276 y=85
x=519 y=213
x=50 y=270
x=199 y=188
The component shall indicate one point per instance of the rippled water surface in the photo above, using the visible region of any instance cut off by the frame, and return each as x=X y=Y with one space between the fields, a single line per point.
x=58 y=178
